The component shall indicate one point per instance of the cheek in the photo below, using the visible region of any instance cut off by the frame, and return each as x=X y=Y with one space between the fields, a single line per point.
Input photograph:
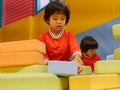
x=89 y=53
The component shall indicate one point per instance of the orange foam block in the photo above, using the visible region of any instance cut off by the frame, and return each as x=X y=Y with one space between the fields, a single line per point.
x=20 y=59
x=22 y=46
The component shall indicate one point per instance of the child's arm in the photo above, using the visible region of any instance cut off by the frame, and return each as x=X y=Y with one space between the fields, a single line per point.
x=79 y=62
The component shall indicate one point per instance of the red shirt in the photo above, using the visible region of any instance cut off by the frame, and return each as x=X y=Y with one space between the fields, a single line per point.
x=61 y=48
x=90 y=61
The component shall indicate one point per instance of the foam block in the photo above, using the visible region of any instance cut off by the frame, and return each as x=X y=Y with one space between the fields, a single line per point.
x=110 y=57
x=114 y=89
x=34 y=69
x=29 y=81
x=63 y=68
x=64 y=82
x=107 y=66
x=116 y=31
x=94 y=82
x=117 y=54
x=21 y=59
x=22 y=46
x=86 y=70
x=24 y=69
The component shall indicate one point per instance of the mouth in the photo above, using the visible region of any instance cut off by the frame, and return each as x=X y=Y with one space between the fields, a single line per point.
x=59 y=27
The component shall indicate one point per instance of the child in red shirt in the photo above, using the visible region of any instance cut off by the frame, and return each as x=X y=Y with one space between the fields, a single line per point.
x=60 y=43
x=89 y=46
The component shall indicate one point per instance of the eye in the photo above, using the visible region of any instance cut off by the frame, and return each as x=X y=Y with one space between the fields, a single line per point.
x=62 y=18
x=54 y=18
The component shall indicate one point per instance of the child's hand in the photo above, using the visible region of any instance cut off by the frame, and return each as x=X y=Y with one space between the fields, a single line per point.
x=79 y=63
x=46 y=61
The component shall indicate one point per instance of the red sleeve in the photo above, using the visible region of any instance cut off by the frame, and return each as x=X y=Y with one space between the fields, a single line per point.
x=73 y=44
x=42 y=39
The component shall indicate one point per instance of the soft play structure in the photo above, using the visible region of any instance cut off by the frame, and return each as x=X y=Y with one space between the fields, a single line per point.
x=22 y=67
x=21 y=54
x=106 y=75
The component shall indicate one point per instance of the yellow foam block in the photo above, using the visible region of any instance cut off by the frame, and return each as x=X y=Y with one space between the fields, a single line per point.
x=86 y=70
x=117 y=54
x=107 y=66
x=29 y=81
x=24 y=69
x=114 y=89
x=21 y=58
x=116 y=31
x=94 y=82
x=22 y=46
x=1 y=36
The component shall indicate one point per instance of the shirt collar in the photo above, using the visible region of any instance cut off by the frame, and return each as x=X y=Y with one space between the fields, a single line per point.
x=56 y=37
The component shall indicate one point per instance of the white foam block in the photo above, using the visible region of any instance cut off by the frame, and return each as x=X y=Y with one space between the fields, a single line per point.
x=63 y=68
x=110 y=57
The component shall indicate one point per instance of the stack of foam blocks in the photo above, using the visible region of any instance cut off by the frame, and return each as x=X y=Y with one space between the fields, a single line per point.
x=22 y=67
x=106 y=75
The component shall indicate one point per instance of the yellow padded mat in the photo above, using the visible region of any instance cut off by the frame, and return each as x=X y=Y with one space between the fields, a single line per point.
x=94 y=82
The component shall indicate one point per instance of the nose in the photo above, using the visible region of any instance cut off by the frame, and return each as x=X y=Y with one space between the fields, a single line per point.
x=58 y=21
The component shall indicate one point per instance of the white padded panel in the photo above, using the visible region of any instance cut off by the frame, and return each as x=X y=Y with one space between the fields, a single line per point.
x=63 y=68
x=110 y=57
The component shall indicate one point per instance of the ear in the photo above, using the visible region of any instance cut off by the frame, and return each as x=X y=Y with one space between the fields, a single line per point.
x=47 y=22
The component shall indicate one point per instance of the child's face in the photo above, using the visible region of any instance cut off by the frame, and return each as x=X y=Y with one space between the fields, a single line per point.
x=90 y=52
x=57 y=22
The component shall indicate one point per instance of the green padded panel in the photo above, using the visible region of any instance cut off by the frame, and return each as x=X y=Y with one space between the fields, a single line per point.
x=107 y=67
x=116 y=31
x=64 y=82
x=24 y=69
x=29 y=81
x=117 y=54
x=34 y=69
x=86 y=70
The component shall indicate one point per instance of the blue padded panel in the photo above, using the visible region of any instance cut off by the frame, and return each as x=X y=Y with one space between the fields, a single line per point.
x=40 y=5
x=0 y=13
x=103 y=34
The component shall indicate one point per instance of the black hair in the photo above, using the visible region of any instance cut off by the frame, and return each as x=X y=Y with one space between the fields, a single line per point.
x=56 y=7
x=88 y=42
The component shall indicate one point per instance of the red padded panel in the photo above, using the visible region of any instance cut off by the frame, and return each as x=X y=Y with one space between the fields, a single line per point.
x=14 y=10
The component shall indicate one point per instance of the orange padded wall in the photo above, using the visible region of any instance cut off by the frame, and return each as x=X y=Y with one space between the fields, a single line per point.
x=90 y=13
